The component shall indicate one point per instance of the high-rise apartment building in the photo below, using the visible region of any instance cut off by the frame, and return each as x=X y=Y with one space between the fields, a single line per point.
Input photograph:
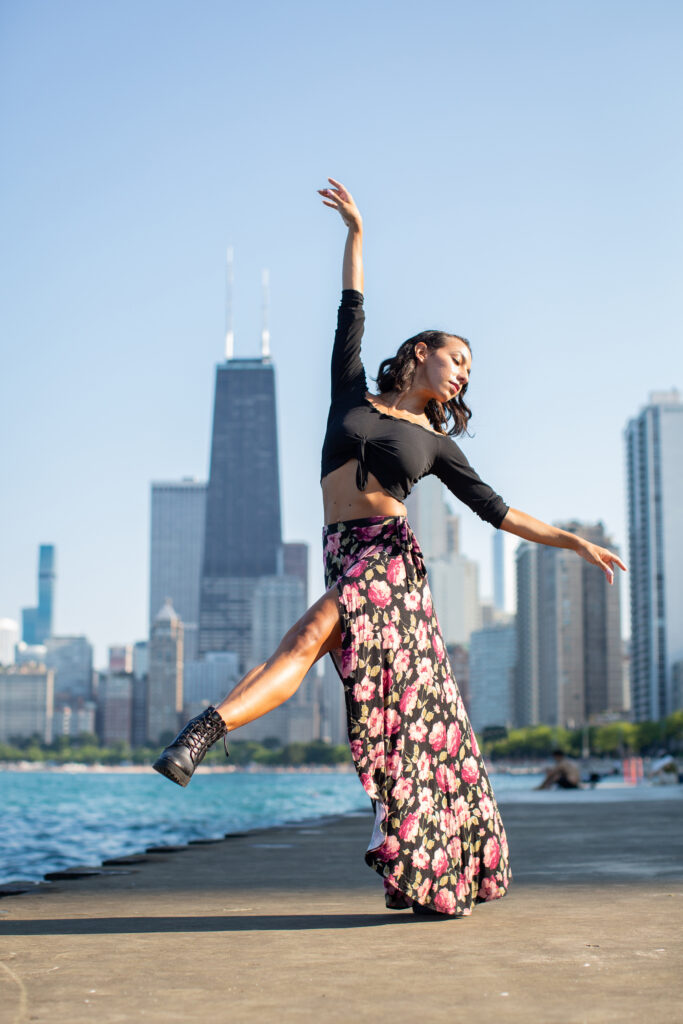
x=115 y=708
x=165 y=680
x=333 y=723
x=71 y=657
x=492 y=669
x=526 y=683
x=295 y=563
x=242 y=534
x=459 y=660
x=654 y=455
x=177 y=514
x=569 y=653
x=26 y=702
x=37 y=622
x=208 y=681
x=277 y=602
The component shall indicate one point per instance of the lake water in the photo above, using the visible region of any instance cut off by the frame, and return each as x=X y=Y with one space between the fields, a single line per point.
x=51 y=820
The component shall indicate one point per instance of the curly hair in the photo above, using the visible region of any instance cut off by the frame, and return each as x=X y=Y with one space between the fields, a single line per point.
x=396 y=374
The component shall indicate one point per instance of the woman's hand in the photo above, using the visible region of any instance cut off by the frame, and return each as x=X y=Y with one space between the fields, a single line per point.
x=604 y=559
x=340 y=199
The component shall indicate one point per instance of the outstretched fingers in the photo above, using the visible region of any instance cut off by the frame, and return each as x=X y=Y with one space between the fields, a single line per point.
x=340 y=199
x=607 y=560
x=343 y=191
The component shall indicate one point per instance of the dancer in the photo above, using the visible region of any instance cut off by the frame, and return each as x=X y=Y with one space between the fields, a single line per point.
x=438 y=840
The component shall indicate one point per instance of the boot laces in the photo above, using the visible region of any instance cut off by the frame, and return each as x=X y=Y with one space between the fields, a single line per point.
x=201 y=733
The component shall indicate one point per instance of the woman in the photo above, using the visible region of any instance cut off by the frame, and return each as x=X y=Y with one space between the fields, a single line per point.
x=438 y=840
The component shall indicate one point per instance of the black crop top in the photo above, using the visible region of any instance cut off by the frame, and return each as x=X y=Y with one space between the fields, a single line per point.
x=398 y=452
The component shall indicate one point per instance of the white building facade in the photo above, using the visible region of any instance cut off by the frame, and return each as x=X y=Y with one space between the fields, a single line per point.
x=453 y=578
x=9 y=638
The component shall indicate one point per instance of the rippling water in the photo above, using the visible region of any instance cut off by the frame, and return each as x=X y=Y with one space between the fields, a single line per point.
x=54 y=820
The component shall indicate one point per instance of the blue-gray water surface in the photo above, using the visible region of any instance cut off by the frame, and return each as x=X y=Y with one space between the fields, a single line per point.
x=52 y=820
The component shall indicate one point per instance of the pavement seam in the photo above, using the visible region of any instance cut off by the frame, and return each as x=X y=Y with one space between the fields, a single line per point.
x=22 y=1013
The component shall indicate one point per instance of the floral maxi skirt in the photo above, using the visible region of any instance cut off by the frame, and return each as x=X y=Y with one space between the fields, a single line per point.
x=438 y=840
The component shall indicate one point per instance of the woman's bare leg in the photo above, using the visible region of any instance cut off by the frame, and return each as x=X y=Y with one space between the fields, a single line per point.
x=273 y=682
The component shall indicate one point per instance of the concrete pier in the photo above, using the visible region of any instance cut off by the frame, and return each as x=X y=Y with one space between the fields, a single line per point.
x=289 y=925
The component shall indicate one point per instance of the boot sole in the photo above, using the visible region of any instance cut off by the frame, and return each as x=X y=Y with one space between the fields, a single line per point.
x=171 y=770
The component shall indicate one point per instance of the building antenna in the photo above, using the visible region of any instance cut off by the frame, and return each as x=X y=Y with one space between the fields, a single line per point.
x=229 y=333
x=265 y=310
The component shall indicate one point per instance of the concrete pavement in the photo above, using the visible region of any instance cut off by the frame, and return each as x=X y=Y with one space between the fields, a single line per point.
x=289 y=925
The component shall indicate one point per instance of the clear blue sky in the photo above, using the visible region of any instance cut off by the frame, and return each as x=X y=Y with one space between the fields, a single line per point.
x=518 y=165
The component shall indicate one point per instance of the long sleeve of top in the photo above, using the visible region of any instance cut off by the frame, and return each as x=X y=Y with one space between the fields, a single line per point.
x=348 y=373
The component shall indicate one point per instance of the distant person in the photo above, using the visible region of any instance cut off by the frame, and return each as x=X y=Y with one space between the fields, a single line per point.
x=438 y=839
x=564 y=774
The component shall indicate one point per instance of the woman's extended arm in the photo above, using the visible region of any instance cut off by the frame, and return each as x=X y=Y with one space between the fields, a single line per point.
x=528 y=528
x=340 y=199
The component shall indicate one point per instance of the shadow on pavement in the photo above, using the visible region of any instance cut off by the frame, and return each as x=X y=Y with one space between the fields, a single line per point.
x=255 y=923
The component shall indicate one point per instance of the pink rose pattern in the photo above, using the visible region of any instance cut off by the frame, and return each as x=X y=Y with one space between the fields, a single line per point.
x=412 y=744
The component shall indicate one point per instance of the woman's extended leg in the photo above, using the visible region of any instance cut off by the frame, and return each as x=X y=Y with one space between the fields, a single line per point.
x=264 y=688
x=276 y=680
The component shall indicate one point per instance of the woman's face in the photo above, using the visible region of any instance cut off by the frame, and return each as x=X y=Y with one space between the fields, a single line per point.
x=443 y=371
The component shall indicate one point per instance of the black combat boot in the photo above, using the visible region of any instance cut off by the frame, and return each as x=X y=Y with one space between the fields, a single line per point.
x=179 y=760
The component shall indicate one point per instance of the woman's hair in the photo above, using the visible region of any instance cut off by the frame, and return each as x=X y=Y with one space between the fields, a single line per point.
x=396 y=374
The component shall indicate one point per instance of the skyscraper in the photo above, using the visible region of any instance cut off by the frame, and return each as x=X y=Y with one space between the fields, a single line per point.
x=37 y=622
x=242 y=535
x=26 y=702
x=453 y=578
x=525 y=684
x=177 y=513
x=72 y=659
x=569 y=657
x=492 y=667
x=165 y=681
x=115 y=707
x=276 y=603
x=654 y=453
x=295 y=563
x=498 y=544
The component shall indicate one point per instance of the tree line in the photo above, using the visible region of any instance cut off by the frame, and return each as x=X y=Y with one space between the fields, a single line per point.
x=615 y=739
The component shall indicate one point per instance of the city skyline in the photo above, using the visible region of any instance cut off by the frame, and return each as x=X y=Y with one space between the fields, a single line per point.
x=534 y=209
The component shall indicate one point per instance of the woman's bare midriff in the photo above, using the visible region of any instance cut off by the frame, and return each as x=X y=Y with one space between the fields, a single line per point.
x=342 y=500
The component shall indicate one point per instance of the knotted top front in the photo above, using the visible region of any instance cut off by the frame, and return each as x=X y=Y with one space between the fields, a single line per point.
x=361 y=469
x=410 y=549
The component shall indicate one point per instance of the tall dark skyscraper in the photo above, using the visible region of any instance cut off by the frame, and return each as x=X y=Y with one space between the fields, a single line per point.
x=242 y=535
x=37 y=622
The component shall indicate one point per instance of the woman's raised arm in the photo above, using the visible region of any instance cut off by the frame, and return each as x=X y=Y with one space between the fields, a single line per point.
x=340 y=199
x=528 y=528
